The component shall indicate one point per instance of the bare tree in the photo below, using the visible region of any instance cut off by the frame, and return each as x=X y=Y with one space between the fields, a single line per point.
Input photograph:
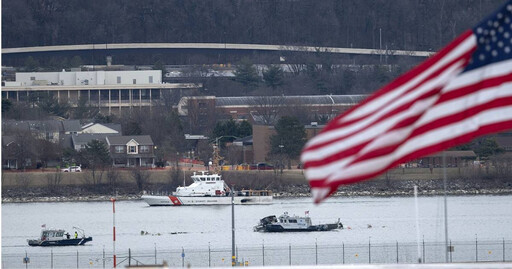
x=175 y=177
x=54 y=180
x=141 y=177
x=23 y=180
x=268 y=108
x=112 y=177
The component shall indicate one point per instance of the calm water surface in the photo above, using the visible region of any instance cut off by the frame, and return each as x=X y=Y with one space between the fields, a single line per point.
x=392 y=219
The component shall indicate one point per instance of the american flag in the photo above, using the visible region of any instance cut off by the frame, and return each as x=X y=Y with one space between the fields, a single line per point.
x=462 y=92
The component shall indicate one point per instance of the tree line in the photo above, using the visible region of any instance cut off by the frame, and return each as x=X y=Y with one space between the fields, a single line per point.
x=404 y=24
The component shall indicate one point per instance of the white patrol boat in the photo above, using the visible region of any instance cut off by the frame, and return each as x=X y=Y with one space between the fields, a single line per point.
x=209 y=189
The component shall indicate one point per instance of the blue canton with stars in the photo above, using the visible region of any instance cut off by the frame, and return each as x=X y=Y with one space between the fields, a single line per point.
x=494 y=38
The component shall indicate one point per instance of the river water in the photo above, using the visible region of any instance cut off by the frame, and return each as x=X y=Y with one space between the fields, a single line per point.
x=376 y=230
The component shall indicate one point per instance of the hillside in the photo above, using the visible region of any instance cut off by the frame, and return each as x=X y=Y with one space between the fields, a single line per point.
x=405 y=24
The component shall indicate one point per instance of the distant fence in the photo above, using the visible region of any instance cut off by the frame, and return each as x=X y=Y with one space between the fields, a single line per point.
x=264 y=255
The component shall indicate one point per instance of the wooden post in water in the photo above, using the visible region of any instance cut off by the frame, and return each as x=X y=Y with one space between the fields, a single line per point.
x=263 y=251
x=476 y=248
x=396 y=251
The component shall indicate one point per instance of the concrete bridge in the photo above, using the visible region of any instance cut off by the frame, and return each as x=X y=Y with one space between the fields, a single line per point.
x=214 y=46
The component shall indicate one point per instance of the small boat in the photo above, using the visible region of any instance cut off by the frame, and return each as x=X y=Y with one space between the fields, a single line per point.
x=59 y=237
x=287 y=223
x=209 y=189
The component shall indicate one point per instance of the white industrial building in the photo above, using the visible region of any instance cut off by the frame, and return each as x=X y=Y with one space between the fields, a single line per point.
x=88 y=78
x=111 y=91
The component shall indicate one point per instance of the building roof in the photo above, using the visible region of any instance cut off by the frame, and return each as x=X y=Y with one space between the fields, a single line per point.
x=71 y=125
x=82 y=139
x=102 y=128
x=7 y=139
x=504 y=141
x=11 y=126
x=114 y=126
x=123 y=140
x=455 y=153
x=290 y=100
x=45 y=126
x=245 y=141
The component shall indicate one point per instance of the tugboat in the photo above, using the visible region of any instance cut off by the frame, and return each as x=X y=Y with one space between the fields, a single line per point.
x=209 y=189
x=287 y=223
x=59 y=237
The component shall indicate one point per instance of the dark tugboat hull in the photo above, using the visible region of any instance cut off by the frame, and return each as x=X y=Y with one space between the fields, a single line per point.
x=63 y=242
x=273 y=228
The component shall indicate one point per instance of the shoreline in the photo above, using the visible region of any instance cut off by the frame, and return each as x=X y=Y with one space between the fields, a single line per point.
x=277 y=195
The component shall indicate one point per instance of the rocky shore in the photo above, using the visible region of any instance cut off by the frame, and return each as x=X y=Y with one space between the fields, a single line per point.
x=377 y=188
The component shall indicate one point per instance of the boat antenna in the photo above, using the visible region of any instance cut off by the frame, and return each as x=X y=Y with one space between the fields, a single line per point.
x=81 y=230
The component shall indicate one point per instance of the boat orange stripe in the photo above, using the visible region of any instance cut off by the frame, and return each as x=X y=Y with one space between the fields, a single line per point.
x=175 y=200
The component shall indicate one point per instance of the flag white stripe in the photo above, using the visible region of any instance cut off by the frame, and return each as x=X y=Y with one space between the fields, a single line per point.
x=376 y=104
x=462 y=103
x=477 y=75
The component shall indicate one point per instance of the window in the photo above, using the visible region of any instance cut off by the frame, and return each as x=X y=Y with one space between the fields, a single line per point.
x=144 y=149
x=32 y=78
x=119 y=149
x=118 y=80
x=49 y=136
x=134 y=81
x=132 y=149
x=150 y=79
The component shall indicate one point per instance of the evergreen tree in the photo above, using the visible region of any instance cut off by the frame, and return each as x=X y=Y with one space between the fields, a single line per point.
x=31 y=65
x=290 y=137
x=246 y=73
x=273 y=76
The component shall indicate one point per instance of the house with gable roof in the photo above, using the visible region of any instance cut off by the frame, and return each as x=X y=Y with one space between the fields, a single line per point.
x=131 y=151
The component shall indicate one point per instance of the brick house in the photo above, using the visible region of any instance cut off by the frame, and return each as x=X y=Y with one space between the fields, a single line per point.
x=131 y=151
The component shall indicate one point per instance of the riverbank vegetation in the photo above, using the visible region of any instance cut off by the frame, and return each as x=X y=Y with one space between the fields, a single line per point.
x=130 y=184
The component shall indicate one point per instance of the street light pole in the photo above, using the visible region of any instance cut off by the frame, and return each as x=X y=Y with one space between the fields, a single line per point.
x=281 y=156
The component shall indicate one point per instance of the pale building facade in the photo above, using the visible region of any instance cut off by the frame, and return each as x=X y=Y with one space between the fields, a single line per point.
x=111 y=91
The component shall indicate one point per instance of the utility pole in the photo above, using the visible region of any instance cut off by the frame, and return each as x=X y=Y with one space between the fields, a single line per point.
x=114 y=229
x=233 y=254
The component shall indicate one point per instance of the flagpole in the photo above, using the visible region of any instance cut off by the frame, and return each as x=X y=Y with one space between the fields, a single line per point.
x=417 y=221
x=445 y=209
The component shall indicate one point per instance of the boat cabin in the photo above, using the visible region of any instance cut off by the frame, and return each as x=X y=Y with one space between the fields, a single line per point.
x=205 y=177
x=294 y=220
x=52 y=234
